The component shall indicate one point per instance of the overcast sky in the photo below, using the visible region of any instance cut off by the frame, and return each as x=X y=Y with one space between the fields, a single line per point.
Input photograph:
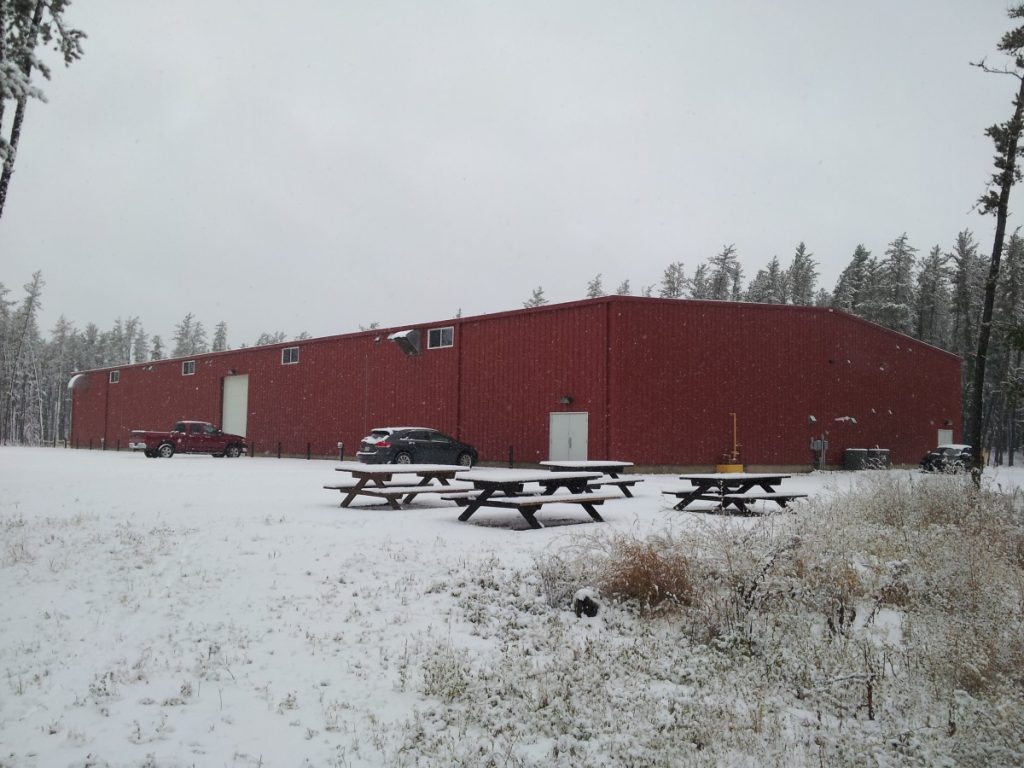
x=323 y=164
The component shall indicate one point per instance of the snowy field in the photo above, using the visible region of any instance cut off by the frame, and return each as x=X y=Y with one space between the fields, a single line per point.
x=214 y=612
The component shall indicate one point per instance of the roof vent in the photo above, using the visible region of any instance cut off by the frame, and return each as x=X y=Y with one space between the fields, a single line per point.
x=408 y=341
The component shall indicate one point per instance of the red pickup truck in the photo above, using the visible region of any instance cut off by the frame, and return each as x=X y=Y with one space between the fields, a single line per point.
x=187 y=437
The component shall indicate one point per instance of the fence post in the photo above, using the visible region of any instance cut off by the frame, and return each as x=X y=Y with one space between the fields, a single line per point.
x=510 y=456
x=307 y=451
x=279 y=449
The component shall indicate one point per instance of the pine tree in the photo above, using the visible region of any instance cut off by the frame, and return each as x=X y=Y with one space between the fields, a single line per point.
x=968 y=287
x=726 y=272
x=24 y=26
x=20 y=374
x=278 y=337
x=996 y=201
x=59 y=361
x=537 y=299
x=851 y=290
x=673 y=281
x=933 y=299
x=623 y=289
x=700 y=283
x=594 y=287
x=157 y=350
x=189 y=337
x=140 y=347
x=802 y=277
x=895 y=298
x=769 y=286
x=220 y=337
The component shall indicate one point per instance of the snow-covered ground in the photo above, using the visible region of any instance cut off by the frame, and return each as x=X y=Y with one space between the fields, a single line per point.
x=217 y=612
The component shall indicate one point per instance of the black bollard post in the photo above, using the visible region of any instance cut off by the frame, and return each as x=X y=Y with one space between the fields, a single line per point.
x=307 y=451
x=279 y=449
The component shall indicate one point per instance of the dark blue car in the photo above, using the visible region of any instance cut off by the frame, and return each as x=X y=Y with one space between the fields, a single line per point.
x=414 y=445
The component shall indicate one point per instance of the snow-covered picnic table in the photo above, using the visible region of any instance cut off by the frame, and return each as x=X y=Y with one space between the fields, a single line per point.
x=727 y=489
x=611 y=470
x=375 y=481
x=511 y=484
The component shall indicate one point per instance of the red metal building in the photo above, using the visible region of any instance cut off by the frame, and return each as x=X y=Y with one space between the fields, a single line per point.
x=653 y=381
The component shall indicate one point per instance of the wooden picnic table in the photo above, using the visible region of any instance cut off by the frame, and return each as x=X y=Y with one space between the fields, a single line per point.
x=732 y=488
x=510 y=483
x=375 y=480
x=609 y=468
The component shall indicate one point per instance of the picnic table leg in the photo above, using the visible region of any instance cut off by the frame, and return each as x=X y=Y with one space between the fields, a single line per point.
x=354 y=491
x=529 y=514
x=593 y=512
x=423 y=481
x=741 y=506
x=685 y=501
x=692 y=496
x=474 y=504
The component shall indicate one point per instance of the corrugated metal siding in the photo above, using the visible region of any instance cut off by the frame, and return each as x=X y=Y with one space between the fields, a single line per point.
x=659 y=379
x=515 y=369
x=683 y=367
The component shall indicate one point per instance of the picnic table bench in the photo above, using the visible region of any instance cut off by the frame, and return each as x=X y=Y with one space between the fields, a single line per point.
x=505 y=489
x=377 y=481
x=742 y=501
x=727 y=489
x=609 y=468
x=528 y=506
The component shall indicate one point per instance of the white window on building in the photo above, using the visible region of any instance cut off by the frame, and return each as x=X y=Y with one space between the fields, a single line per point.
x=115 y=376
x=441 y=337
x=289 y=356
x=188 y=368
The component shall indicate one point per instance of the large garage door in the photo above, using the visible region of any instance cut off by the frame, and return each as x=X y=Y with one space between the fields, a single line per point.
x=568 y=438
x=236 y=404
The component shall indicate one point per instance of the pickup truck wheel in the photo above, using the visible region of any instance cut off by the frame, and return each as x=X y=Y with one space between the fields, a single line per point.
x=150 y=454
x=165 y=450
x=232 y=451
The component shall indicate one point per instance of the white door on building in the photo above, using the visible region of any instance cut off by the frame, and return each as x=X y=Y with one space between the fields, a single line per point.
x=236 y=404
x=568 y=437
x=945 y=437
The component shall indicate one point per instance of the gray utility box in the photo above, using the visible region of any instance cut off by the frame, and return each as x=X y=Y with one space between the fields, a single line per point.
x=879 y=458
x=855 y=458
x=866 y=458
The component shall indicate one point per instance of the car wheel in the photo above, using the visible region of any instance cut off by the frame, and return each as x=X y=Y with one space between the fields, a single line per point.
x=232 y=451
x=403 y=458
x=464 y=460
x=165 y=450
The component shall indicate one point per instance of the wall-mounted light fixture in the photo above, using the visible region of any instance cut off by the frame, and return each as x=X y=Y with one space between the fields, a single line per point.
x=947 y=423
x=565 y=400
x=232 y=371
